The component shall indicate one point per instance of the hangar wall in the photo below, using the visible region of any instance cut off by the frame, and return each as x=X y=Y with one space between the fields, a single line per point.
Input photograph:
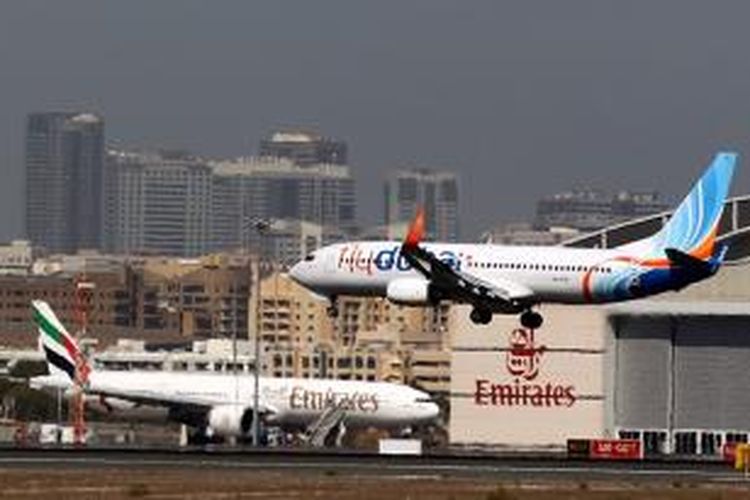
x=508 y=384
x=641 y=366
x=712 y=374
x=682 y=375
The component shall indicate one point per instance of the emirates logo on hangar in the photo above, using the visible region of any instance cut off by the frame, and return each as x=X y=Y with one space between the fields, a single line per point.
x=523 y=358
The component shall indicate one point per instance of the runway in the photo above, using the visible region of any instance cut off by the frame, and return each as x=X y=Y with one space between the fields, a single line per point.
x=519 y=469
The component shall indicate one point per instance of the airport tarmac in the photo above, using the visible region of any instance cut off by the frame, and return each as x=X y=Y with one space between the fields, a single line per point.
x=516 y=468
x=82 y=474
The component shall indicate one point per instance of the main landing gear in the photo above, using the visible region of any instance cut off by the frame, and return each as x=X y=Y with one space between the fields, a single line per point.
x=531 y=320
x=480 y=316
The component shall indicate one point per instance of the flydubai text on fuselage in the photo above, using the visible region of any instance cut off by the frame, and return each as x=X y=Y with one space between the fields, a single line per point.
x=513 y=279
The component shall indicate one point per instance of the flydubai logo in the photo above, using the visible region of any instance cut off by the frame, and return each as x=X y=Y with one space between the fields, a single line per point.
x=522 y=361
x=354 y=258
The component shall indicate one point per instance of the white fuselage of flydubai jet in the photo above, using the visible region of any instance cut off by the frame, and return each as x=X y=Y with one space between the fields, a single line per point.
x=550 y=274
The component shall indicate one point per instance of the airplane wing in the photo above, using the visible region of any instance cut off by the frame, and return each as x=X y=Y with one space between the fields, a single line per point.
x=500 y=295
x=150 y=398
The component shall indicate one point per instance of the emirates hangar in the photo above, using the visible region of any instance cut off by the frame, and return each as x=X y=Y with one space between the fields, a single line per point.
x=672 y=373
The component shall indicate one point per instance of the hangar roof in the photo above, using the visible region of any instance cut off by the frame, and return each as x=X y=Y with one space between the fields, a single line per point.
x=734 y=230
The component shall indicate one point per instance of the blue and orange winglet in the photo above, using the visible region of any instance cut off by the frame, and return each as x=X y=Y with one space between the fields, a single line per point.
x=416 y=230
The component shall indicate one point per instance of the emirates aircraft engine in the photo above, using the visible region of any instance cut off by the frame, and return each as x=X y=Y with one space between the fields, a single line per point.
x=229 y=421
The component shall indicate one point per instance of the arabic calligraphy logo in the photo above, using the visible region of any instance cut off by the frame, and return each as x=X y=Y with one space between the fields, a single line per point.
x=523 y=357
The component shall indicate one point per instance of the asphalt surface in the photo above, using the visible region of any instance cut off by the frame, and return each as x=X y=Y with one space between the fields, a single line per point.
x=498 y=468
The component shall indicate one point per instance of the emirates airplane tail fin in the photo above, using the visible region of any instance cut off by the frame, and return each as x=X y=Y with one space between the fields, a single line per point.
x=60 y=349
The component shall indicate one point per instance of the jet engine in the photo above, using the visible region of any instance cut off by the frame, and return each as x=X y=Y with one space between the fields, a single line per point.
x=411 y=292
x=230 y=420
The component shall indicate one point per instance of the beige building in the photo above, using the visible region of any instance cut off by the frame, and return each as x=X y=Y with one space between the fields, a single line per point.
x=108 y=303
x=367 y=364
x=154 y=299
x=371 y=339
x=200 y=298
x=290 y=314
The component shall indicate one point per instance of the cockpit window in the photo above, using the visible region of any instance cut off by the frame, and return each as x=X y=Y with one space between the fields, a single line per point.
x=310 y=257
x=424 y=400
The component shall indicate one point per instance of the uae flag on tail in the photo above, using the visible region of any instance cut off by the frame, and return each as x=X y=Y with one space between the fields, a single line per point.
x=60 y=349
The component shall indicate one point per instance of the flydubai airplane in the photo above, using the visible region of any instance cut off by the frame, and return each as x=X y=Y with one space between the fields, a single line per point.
x=497 y=279
x=222 y=404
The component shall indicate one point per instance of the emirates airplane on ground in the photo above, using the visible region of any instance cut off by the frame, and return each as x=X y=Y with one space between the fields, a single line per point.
x=515 y=279
x=222 y=404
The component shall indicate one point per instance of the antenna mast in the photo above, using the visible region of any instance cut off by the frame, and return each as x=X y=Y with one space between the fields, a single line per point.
x=83 y=292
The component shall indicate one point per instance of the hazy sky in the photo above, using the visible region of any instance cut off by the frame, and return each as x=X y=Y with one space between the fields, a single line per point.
x=523 y=98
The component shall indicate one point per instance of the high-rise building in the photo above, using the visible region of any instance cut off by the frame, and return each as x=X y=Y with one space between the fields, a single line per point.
x=304 y=148
x=250 y=189
x=589 y=209
x=157 y=205
x=435 y=191
x=64 y=166
x=186 y=206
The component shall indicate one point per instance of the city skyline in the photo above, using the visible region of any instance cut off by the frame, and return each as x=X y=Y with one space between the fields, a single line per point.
x=300 y=178
x=524 y=99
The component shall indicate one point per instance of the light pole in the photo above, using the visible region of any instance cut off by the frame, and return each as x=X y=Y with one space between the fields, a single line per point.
x=234 y=349
x=261 y=226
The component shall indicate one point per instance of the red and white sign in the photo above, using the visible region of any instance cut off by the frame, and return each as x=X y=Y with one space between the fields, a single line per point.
x=616 y=449
x=729 y=452
x=523 y=363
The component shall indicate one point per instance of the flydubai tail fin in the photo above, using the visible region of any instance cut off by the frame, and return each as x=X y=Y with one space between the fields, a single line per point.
x=60 y=348
x=416 y=232
x=692 y=228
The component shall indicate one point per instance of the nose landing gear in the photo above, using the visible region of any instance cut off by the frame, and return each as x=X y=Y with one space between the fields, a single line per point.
x=531 y=320
x=333 y=308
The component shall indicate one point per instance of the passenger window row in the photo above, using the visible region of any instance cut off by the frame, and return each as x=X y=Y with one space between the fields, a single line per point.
x=540 y=267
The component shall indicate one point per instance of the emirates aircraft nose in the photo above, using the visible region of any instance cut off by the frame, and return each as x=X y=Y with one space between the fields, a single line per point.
x=426 y=409
x=431 y=411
